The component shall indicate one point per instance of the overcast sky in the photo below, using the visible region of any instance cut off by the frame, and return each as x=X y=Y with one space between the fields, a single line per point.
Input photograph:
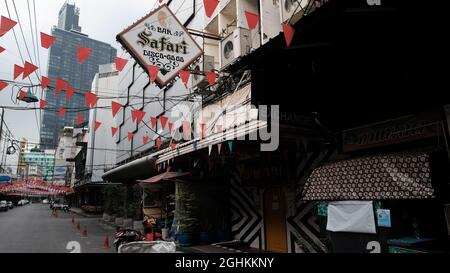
x=100 y=19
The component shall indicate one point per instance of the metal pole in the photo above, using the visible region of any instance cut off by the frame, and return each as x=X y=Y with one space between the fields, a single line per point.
x=126 y=202
x=1 y=134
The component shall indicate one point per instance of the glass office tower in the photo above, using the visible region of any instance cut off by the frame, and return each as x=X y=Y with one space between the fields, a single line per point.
x=63 y=63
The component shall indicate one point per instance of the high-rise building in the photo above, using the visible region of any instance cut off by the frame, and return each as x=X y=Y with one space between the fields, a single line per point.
x=63 y=63
x=69 y=16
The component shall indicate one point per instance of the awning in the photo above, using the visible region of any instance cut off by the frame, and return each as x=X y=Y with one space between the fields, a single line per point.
x=232 y=134
x=395 y=177
x=139 y=169
x=5 y=178
x=164 y=177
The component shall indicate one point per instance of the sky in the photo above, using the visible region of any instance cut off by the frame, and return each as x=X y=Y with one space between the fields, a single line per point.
x=100 y=19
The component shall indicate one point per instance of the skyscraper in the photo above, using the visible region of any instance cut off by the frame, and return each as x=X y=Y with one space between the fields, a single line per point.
x=63 y=63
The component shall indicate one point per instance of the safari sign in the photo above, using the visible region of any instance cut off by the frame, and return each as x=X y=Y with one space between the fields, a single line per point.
x=160 y=39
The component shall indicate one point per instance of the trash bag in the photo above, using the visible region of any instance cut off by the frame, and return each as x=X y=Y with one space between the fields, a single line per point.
x=148 y=247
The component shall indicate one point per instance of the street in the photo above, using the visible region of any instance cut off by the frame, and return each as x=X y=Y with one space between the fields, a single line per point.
x=33 y=229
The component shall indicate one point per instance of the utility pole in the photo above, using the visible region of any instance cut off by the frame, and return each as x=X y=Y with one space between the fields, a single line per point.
x=1 y=133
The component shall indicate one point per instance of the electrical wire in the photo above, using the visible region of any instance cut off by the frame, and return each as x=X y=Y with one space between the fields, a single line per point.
x=23 y=36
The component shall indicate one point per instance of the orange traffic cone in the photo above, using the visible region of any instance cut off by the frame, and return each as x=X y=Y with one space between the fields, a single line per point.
x=85 y=232
x=106 y=243
x=78 y=226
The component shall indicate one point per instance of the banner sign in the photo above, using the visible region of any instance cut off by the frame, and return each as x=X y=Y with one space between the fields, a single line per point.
x=391 y=132
x=159 y=39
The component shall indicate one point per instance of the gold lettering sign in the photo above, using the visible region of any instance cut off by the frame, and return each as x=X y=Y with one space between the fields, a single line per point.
x=160 y=39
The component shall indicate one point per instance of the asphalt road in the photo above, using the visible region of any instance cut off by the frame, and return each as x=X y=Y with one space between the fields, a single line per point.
x=33 y=229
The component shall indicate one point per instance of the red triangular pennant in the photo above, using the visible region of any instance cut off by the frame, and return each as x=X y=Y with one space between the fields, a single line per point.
x=289 y=32
x=211 y=77
x=97 y=125
x=184 y=74
x=91 y=99
x=203 y=130
x=120 y=63
x=113 y=131
x=170 y=127
x=47 y=40
x=28 y=69
x=158 y=143
x=252 y=19
x=69 y=92
x=83 y=54
x=115 y=107
x=210 y=6
x=130 y=136
x=145 y=139
x=3 y=85
x=153 y=72
x=60 y=85
x=2 y=49
x=80 y=119
x=18 y=70
x=45 y=82
x=163 y=120
x=62 y=111
x=6 y=25
x=42 y=104
x=186 y=129
x=153 y=120
x=22 y=94
x=137 y=115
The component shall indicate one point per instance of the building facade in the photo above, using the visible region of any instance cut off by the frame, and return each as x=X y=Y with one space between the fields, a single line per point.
x=70 y=142
x=43 y=159
x=101 y=152
x=63 y=64
x=226 y=186
x=21 y=164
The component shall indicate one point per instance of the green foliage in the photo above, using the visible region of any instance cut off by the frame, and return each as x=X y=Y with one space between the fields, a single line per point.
x=134 y=203
x=113 y=198
x=187 y=209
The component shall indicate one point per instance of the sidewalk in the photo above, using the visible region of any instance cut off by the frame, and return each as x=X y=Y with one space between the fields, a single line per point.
x=84 y=214
x=108 y=223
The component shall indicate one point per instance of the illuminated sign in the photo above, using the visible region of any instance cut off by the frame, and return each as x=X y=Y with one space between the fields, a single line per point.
x=160 y=39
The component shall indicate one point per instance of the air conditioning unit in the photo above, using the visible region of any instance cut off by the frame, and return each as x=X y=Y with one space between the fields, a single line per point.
x=206 y=64
x=235 y=45
x=291 y=9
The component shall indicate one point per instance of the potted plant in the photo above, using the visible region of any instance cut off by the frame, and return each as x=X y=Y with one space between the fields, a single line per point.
x=132 y=214
x=185 y=213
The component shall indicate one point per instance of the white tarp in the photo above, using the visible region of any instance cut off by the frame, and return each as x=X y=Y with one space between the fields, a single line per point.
x=351 y=216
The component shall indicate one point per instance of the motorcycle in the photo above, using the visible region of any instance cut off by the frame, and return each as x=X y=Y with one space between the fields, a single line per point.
x=124 y=236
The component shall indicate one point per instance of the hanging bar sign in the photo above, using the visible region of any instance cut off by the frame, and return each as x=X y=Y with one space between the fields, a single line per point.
x=159 y=39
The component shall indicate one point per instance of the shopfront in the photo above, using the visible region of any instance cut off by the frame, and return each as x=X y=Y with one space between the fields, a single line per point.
x=388 y=189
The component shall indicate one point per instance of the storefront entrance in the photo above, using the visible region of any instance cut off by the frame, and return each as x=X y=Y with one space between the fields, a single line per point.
x=275 y=220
